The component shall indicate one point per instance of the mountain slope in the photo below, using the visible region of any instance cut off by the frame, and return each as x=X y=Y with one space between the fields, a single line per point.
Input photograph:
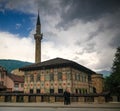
x=105 y=73
x=10 y=65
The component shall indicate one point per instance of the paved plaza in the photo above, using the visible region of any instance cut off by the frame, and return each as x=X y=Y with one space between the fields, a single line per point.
x=55 y=109
x=61 y=105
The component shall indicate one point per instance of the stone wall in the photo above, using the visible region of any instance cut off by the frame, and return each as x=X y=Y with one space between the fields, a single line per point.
x=52 y=98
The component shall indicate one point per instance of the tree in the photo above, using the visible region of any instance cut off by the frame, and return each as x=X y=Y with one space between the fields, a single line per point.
x=116 y=64
x=112 y=83
x=115 y=76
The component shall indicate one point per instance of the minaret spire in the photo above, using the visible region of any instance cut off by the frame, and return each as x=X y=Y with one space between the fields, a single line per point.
x=38 y=19
x=38 y=38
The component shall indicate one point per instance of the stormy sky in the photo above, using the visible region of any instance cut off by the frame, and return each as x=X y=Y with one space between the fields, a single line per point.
x=85 y=31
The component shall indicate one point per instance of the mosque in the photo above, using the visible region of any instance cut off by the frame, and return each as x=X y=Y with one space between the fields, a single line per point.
x=55 y=75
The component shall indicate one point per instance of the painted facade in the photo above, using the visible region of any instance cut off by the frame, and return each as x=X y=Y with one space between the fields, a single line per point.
x=55 y=75
x=56 y=80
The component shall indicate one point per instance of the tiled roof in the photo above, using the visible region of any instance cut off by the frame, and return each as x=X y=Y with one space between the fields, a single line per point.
x=16 y=78
x=57 y=62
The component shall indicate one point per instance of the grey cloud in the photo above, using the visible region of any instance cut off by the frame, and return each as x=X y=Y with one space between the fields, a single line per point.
x=115 y=42
x=87 y=10
x=49 y=36
x=90 y=47
x=78 y=60
x=94 y=34
x=46 y=7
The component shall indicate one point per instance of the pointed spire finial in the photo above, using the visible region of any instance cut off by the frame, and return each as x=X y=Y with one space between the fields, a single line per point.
x=38 y=19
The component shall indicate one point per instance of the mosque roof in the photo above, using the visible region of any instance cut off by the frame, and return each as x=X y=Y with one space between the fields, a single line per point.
x=56 y=63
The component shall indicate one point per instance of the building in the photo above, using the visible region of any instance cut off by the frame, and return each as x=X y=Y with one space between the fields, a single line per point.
x=55 y=75
x=3 y=76
x=10 y=82
x=15 y=83
x=17 y=72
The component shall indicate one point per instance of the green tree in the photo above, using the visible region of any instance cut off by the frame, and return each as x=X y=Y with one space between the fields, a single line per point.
x=112 y=83
x=115 y=76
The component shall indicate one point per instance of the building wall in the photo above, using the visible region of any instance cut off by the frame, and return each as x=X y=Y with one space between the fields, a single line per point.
x=14 y=86
x=3 y=74
x=97 y=82
x=40 y=81
x=6 y=81
x=80 y=83
x=9 y=84
x=17 y=72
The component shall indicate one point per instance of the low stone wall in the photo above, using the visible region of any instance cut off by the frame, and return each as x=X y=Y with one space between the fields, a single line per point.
x=51 y=98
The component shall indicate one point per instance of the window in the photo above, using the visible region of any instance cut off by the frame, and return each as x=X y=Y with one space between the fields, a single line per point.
x=60 y=90
x=89 y=77
x=86 y=91
x=47 y=77
x=82 y=78
x=38 y=91
x=16 y=85
x=31 y=91
x=80 y=91
x=76 y=90
x=59 y=76
x=51 y=77
x=68 y=76
x=38 y=77
x=51 y=91
x=77 y=77
x=22 y=84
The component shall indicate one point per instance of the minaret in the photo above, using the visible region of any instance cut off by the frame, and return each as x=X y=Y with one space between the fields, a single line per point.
x=38 y=38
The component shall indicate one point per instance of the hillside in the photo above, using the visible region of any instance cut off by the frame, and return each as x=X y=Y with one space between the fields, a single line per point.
x=105 y=73
x=10 y=65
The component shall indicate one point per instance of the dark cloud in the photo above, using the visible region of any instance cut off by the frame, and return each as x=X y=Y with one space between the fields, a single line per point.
x=48 y=7
x=115 y=42
x=87 y=10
